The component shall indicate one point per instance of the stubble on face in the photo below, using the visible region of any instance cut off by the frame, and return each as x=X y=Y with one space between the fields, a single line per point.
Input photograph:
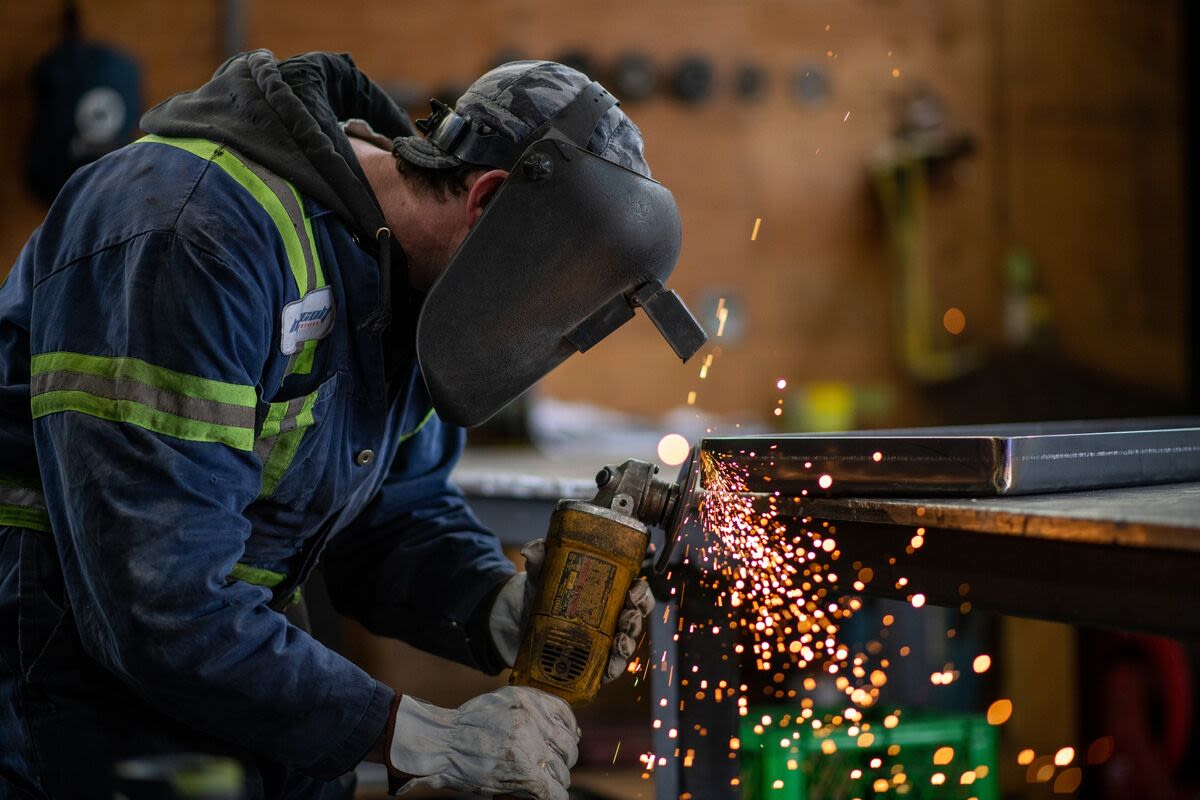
x=425 y=267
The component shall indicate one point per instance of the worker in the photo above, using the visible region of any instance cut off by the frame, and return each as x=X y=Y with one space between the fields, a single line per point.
x=249 y=343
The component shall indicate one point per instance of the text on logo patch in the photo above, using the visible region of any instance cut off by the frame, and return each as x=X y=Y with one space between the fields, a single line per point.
x=310 y=317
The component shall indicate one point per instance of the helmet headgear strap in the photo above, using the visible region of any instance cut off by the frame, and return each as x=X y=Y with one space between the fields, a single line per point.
x=455 y=135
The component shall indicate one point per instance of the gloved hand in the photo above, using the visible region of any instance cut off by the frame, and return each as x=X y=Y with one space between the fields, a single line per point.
x=513 y=741
x=514 y=604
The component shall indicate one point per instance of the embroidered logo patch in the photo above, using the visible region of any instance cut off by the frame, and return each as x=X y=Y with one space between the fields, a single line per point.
x=310 y=317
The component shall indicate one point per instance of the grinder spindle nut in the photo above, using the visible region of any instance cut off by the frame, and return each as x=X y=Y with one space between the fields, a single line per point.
x=603 y=477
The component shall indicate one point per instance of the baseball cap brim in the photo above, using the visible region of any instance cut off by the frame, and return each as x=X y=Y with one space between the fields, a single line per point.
x=416 y=150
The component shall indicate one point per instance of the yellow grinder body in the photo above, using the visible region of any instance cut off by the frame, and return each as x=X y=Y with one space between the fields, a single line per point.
x=593 y=556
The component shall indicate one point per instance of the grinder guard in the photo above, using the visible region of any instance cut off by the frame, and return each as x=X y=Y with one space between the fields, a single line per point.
x=568 y=246
x=684 y=509
x=594 y=551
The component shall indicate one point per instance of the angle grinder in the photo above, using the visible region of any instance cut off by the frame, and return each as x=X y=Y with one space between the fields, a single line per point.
x=594 y=552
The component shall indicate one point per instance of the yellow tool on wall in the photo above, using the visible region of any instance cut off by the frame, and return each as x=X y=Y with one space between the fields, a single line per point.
x=924 y=146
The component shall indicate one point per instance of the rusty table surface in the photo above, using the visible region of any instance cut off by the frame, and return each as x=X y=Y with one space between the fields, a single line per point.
x=1165 y=517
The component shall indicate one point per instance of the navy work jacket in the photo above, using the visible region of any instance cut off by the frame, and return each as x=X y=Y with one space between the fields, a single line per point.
x=190 y=411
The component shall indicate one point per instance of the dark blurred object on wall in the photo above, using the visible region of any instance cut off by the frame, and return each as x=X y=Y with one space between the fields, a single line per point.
x=634 y=77
x=87 y=103
x=693 y=79
x=810 y=85
x=577 y=58
x=750 y=81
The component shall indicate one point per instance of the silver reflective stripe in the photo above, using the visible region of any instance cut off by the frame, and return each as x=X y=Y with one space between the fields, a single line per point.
x=264 y=446
x=281 y=189
x=126 y=388
x=289 y=421
x=24 y=498
x=291 y=205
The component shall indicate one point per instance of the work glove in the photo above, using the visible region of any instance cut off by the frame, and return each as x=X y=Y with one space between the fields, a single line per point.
x=514 y=604
x=514 y=741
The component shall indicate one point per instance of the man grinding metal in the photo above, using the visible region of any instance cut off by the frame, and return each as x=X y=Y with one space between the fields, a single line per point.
x=251 y=341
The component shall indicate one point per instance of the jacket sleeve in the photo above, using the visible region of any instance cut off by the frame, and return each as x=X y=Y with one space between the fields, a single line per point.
x=145 y=360
x=417 y=564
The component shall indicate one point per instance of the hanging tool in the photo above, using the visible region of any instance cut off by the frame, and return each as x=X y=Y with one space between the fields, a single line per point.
x=923 y=147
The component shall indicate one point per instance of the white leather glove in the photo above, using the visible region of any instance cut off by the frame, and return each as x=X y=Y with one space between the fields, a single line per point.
x=514 y=604
x=516 y=741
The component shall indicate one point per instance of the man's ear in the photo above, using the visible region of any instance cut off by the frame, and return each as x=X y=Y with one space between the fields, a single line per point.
x=481 y=192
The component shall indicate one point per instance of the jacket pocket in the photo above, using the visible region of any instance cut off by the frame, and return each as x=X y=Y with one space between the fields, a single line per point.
x=42 y=597
x=291 y=432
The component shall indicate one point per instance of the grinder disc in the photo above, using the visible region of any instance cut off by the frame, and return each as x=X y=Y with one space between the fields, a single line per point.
x=683 y=507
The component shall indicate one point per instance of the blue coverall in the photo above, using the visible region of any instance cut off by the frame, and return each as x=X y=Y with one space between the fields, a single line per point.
x=164 y=459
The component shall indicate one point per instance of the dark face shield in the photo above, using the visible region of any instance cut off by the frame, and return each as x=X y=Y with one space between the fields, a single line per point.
x=569 y=246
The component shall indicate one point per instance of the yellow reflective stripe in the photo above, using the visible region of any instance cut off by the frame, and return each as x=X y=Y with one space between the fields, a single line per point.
x=258 y=189
x=22 y=504
x=284 y=205
x=428 y=416
x=133 y=391
x=283 y=430
x=301 y=362
x=311 y=240
x=143 y=372
x=302 y=359
x=257 y=575
x=143 y=416
x=19 y=517
x=266 y=578
x=276 y=414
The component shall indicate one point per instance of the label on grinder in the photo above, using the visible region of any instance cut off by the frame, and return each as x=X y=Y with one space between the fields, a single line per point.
x=583 y=589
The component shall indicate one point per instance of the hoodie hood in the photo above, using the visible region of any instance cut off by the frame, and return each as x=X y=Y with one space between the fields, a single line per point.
x=285 y=115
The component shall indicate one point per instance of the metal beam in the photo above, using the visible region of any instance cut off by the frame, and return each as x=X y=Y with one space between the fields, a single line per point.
x=970 y=461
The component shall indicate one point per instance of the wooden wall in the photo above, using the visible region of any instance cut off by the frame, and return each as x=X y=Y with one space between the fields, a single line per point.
x=1074 y=105
x=1090 y=129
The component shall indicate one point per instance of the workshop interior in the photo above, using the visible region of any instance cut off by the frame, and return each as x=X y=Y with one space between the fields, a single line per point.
x=915 y=478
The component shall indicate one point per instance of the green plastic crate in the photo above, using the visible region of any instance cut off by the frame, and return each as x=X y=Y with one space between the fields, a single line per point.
x=799 y=770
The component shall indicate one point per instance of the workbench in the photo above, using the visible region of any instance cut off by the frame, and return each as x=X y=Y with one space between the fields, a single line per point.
x=1122 y=558
x=1113 y=558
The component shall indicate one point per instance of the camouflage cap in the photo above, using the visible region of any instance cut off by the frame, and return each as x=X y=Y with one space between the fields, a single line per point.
x=515 y=99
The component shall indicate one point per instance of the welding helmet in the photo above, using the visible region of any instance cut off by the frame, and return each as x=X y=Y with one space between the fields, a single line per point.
x=575 y=239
